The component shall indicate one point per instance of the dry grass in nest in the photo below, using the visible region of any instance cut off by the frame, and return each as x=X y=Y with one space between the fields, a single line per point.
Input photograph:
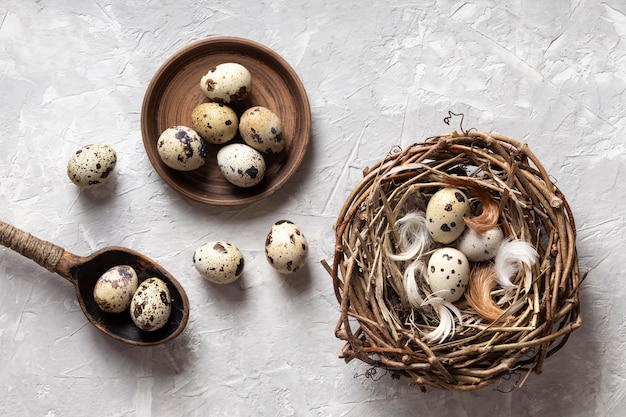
x=376 y=320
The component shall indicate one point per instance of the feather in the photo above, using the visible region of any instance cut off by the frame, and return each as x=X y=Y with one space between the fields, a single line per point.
x=413 y=292
x=512 y=255
x=446 y=312
x=414 y=236
x=488 y=218
x=478 y=294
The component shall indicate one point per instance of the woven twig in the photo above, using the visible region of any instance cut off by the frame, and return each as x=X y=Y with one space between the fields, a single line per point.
x=376 y=320
x=44 y=253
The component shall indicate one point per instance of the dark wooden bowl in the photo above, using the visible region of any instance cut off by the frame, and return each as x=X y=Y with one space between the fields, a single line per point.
x=174 y=92
x=83 y=272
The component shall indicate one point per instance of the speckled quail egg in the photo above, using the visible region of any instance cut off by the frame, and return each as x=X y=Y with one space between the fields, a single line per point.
x=151 y=305
x=115 y=288
x=286 y=248
x=444 y=214
x=181 y=148
x=480 y=247
x=219 y=262
x=91 y=165
x=229 y=82
x=217 y=123
x=262 y=129
x=241 y=165
x=448 y=273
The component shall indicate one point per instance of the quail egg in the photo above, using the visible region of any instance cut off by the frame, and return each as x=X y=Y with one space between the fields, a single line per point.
x=115 y=288
x=91 y=165
x=215 y=122
x=286 y=248
x=448 y=273
x=219 y=262
x=262 y=129
x=151 y=305
x=181 y=148
x=229 y=82
x=480 y=247
x=241 y=165
x=445 y=214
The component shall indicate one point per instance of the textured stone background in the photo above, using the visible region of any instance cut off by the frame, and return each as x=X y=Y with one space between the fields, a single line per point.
x=378 y=74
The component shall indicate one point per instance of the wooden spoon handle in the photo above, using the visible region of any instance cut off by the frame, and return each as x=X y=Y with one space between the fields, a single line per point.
x=44 y=253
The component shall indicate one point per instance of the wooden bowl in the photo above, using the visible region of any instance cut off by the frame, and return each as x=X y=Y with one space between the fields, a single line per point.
x=174 y=92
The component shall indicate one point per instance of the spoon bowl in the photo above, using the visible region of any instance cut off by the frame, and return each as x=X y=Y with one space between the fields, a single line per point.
x=83 y=272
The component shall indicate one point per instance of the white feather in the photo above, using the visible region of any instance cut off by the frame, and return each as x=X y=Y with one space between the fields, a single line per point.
x=414 y=237
x=410 y=284
x=512 y=255
x=446 y=312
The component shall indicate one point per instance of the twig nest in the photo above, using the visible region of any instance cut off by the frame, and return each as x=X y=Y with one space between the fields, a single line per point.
x=380 y=320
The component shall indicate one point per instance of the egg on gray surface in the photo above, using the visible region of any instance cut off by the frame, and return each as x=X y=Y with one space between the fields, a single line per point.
x=448 y=273
x=219 y=262
x=445 y=214
x=286 y=248
x=115 y=288
x=217 y=123
x=151 y=305
x=181 y=148
x=91 y=165
x=480 y=247
x=262 y=129
x=241 y=165
x=228 y=83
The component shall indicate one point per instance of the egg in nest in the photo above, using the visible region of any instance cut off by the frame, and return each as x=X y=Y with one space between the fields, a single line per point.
x=445 y=214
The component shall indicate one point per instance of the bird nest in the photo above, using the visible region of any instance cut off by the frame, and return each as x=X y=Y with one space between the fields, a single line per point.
x=384 y=329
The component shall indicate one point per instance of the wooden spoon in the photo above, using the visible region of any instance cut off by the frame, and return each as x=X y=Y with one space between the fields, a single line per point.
x=83 y=272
